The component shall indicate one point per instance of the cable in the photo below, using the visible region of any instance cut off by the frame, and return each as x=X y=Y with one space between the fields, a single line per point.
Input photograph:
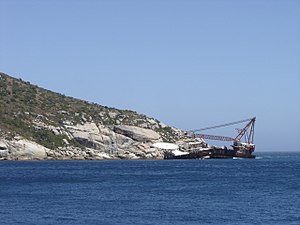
x=223 y=125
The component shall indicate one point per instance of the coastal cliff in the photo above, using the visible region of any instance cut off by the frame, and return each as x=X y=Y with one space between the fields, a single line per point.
x=38 y=124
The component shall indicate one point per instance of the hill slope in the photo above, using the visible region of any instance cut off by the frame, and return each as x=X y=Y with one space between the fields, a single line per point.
x=32 y=118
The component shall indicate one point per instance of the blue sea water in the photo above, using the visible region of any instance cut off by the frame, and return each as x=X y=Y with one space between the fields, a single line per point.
x=248 y=191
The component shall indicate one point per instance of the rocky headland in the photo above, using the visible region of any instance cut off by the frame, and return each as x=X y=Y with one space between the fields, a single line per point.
x=38 y=124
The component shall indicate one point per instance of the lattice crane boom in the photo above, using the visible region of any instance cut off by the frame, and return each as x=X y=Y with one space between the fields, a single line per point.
x=250 y=134
x=247 y=132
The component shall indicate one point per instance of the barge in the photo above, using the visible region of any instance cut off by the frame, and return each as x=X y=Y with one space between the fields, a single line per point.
x=199 y=149
x=238 y=151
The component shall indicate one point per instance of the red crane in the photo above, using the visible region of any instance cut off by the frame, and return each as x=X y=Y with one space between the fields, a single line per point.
x=247 y=132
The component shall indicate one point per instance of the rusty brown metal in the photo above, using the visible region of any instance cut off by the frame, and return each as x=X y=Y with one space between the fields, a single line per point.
x=244 y=132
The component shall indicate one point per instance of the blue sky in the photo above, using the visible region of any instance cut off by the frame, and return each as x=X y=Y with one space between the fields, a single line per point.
x=188 y=63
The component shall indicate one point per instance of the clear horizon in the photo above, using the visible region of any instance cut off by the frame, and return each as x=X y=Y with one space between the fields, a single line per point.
x=189 y=64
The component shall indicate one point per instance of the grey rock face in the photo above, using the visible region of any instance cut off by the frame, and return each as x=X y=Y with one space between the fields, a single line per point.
x=24 y=150
x=101 y=142
x=3 y=150
x=137 y=133
x=3 y=146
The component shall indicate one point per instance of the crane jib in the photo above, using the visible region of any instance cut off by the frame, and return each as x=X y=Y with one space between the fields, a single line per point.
x=247 y=132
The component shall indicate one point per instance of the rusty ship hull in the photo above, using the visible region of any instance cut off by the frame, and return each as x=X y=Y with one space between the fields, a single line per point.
x=215 y=153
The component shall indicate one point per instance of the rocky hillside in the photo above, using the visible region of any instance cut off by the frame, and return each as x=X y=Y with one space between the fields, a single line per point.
x=39 y=124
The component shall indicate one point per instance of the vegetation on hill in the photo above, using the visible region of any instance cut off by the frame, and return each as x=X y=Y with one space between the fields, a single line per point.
x=22 y=105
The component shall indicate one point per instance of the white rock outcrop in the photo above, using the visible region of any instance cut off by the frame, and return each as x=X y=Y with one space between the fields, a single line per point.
x=137 y=133
x=23 y=149
x=99 y=141
x=3 y=146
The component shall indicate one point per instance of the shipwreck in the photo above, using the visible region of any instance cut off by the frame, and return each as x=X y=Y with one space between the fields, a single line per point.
x=196 y=148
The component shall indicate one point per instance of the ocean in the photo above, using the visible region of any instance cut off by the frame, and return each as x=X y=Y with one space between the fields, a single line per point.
x=265 y=190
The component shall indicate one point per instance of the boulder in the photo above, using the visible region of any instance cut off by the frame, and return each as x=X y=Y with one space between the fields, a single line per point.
x=137 y=133
x=113 y=115
x=26 y=150
x=122 y=141
x=56 y=131
x=87 y=134
x=162 y=125
x=3 y=146
x=3 y=154
x=3 y=150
